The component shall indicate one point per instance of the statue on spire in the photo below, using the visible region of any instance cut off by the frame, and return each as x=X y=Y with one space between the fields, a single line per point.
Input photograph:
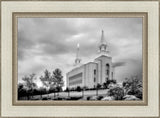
x=103 y=48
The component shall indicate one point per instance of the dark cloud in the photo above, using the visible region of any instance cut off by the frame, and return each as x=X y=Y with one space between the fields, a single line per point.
x=119 y=64
x=51 y=42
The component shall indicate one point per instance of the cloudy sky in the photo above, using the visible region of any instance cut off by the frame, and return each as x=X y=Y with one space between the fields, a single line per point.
x=49 y=43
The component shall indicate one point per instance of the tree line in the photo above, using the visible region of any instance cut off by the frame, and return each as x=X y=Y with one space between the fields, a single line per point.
x=52 y=83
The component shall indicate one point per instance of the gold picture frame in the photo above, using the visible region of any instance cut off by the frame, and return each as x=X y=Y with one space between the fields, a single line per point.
x=16 y=14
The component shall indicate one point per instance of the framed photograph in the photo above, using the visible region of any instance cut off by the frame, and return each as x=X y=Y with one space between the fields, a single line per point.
x=80 y=59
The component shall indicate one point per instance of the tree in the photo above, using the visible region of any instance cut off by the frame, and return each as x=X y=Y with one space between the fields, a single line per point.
x=68 y=90
x=97 y=87
x=42 y=91
x=47 y=80
x=21 y=90
x=52 y=82
x=29 y=83
x=83 y=89
x=53 y=90
x=58 y=78
x=20 y=86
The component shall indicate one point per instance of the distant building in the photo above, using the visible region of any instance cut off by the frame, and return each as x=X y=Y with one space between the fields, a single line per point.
x=92 y=73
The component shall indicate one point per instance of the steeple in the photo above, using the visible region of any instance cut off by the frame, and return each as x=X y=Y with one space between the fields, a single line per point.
x=103 y=48
x=102 y=38
x=77 y=60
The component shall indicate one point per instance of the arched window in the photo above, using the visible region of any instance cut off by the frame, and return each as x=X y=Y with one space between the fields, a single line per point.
x=112 y=75
x=107 y=69
x=106 y=79
x=94 y=79
x=94 y=71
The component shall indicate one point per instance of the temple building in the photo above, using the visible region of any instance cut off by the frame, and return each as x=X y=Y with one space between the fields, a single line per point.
x=92 y=73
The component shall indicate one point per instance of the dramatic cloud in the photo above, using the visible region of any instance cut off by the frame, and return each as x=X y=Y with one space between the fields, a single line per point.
x=49 y=43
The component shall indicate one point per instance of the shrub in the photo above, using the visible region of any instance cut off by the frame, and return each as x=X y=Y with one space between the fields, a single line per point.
x=79 y=89
x=67 y=89
x=85 y=88
x=116 y=92
x=45 y=98
x=72 y=89
x=133 y=86
x=88 y=98
x=138 y=93
x=100 y=97
x=98 y=86
x=59 y=89
x=106 y=84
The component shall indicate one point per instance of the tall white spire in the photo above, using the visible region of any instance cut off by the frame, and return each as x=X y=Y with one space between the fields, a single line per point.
x=102 y=38
x=77 y=53
x=103 y=48
x=77 y=60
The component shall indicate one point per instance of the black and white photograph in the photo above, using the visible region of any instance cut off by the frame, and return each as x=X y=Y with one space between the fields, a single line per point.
x=80 y=59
